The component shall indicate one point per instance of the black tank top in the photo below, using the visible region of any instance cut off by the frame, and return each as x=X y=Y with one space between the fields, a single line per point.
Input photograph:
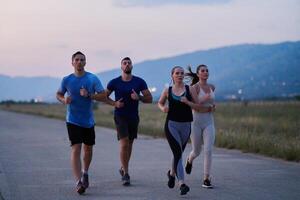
x=178 y=111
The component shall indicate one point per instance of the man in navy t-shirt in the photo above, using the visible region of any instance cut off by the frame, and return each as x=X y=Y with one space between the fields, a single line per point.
x=82 y=88
x=127 y=89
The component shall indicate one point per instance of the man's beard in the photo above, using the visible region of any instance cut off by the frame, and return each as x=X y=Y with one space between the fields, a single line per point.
x=128 y=71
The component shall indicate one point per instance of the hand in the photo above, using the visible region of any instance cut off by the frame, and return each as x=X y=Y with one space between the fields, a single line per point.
x=84 y=92
x=184 y=100
x=119 y=103
x=206 y=97
x=213 y=109
x=67 y=100
x=165 y=109
x=134 y=95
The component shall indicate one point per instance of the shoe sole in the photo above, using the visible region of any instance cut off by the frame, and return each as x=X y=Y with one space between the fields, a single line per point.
x=207 y=187
x=126 y=183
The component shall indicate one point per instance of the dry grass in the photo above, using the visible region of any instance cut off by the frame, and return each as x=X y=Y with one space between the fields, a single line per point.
x=268 y=128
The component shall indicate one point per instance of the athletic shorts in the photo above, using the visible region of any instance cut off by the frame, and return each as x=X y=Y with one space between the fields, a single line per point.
x=78 y=134
x=126 y=127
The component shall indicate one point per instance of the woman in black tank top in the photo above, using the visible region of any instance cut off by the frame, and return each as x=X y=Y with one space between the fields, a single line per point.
x=179 y=111
x=181 y=99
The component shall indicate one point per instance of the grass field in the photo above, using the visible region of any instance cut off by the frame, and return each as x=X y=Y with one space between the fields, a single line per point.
x=268 y=128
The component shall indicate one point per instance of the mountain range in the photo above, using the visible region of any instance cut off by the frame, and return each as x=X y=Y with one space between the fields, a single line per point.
x=246 y=71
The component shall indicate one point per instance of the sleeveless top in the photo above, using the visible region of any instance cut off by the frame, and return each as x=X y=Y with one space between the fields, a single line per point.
x=179 y=111
x=212 y=97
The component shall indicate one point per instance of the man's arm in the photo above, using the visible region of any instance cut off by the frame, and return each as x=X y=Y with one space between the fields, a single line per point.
x=61 y=97
x=146 y=97
x=99 y=96
x=109 y=101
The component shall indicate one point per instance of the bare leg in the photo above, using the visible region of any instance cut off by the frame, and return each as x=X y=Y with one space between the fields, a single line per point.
x=87 y=156
x=125 y=153
x=129 y=150
x=75 y=160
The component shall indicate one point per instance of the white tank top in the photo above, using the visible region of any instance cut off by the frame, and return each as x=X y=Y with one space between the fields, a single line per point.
x=212 y=97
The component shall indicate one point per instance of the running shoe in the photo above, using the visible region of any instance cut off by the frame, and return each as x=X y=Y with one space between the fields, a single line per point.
x=207 y=184
x=171 y=180
x=80 y=188
x=121 y=171
x=184 y=189
x=85 y=180
x=188 y=166
x=126 y=179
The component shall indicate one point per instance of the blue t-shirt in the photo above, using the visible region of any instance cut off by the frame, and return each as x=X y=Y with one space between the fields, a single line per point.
x=123 y=89
x=79 y=111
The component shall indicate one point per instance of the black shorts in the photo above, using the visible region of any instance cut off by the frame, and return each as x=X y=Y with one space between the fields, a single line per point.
x=126 y=127
x=78 y=134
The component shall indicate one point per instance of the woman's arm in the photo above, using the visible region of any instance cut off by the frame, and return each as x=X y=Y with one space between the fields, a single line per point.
x=195 y=103
x=162 y=101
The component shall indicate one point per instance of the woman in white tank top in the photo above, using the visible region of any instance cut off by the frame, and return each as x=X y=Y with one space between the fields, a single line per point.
x=203 y=128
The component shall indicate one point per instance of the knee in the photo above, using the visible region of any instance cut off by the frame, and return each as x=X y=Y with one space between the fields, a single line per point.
x=208 y=152
x=88 y=151
x=124 y=145
x=76 y=149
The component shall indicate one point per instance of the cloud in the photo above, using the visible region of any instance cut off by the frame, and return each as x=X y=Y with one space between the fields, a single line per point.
x=153 y=3
x=106 y=53
x=61 y=46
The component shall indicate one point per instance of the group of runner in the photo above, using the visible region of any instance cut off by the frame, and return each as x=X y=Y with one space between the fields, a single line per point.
x=189 y=115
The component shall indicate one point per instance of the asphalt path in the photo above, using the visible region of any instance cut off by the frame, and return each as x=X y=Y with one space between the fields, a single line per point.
x=35 y=165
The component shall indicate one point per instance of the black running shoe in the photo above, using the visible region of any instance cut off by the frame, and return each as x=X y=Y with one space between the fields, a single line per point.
x=126 y=179
x=85 y=180
x=188 y=166
x=184 y=189
x=80 y=188
x=171 y=180
x=207 y=184
x=121 y=171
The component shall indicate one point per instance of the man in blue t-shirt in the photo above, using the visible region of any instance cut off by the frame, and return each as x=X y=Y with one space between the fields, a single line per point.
x=82 y=88
x=127 y=89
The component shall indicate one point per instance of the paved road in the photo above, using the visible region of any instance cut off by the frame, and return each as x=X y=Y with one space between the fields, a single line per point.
x=34 y=164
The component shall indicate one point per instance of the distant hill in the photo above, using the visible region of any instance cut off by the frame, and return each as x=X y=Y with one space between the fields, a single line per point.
x=27 y=88
x=248 y=71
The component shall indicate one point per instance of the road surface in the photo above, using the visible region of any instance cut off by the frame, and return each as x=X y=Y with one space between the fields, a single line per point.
x=35 y=165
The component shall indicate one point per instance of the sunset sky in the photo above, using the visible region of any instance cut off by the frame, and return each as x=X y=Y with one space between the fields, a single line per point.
x=37 y=38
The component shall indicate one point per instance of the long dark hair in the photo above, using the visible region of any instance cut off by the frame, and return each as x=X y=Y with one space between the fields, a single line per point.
x=192 y=75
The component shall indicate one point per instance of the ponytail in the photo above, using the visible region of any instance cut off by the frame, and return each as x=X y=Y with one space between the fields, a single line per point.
x=192 y=76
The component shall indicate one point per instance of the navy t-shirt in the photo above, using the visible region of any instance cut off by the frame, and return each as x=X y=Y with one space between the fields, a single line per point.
x=123 y=89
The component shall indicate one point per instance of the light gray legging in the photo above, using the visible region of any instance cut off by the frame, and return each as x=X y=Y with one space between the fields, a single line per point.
x=203 y=133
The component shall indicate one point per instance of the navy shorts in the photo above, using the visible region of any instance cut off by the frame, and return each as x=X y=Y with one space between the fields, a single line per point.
x=126 y=127
x=79 y=135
